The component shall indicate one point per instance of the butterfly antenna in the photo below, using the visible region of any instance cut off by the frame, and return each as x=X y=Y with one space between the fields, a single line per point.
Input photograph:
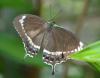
x=55 y=16
x=50 y=11
x=52 y=18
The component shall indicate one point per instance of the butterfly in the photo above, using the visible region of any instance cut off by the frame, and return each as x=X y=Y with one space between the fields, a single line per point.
x=55 y=42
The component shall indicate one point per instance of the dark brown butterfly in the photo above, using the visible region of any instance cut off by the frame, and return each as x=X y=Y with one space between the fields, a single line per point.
x=55 y=42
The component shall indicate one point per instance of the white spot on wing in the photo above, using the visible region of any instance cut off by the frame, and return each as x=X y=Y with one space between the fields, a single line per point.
x=81 y=45
x=27 y=55
x=22 y=20
x=53 y=53
x=30 y=41
x=72 y=51
x=75 y=50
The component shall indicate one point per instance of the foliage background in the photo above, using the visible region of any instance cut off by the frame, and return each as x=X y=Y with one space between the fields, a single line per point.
x=79 y=16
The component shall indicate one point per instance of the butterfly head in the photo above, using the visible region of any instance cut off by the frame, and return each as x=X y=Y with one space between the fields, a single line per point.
x=51 y=24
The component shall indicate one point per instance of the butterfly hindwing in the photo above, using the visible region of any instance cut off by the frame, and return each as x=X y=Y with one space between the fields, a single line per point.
x=60 y=43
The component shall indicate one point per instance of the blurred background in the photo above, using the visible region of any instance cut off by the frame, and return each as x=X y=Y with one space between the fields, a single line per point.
x=82 y=17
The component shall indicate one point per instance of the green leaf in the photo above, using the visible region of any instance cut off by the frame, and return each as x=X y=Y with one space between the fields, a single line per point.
x=16 y=4
x=90 y=54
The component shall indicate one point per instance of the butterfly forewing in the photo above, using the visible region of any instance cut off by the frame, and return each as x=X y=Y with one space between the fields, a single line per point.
x=30 y=28
x=60 y=40
x=65 y=40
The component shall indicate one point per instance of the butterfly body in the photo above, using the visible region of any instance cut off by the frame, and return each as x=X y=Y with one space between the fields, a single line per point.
x=55 y=42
